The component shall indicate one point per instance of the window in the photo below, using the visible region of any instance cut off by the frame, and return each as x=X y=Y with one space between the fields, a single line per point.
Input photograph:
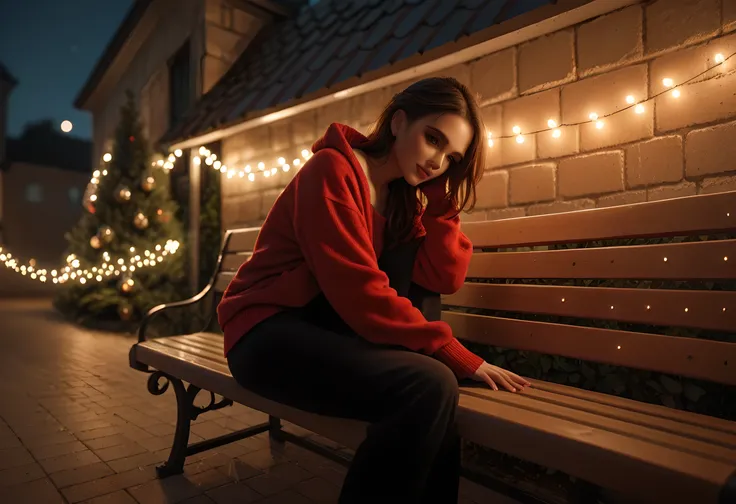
x=179 y=84
x=34 y=193
x=75 y=195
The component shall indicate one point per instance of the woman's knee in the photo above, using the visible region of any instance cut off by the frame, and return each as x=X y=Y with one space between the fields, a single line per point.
x=439 y=382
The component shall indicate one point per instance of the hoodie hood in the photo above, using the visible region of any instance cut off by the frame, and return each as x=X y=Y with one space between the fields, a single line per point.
x=342 y=138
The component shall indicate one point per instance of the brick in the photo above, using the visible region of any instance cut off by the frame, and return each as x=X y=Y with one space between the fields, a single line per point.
x=119 y=451
x=474 y=216
x=172 y=489
x=712 y=185
x=267 y=202
x=492 y=120
x=656 y=161
x=592 y=174
x=624 y=198
x=560 y=207
x=549 y=146
x=494 y=76
x=140 y=460
x=461 y=72
x=605 y=94
x=280 y=135
x=547 y=61
x=318 y=490
x=700 y=103
x=237 y=492
x=108 y=484
x=710 y=150
x=512 y=152
x=531 y=184
x=492 y=191
x=672 y=23
x=337 y=111
x=278 y=479
x=610 y=40
x=14 y=457
x=684 y=64
x=365 y=108
x=303 y=129
x=531 y=112
x=729 y=15
x=671 y=191
x=505 y=213
x=80 y=474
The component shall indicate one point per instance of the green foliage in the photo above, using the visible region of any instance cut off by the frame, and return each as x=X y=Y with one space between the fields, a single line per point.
x=95 y=302
x=210 y=232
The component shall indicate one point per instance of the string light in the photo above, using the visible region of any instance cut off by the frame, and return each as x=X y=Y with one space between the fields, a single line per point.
x=73 y=269
x=598 y=119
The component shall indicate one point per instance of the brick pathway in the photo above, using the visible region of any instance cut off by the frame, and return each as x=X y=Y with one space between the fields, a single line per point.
x=78 y=425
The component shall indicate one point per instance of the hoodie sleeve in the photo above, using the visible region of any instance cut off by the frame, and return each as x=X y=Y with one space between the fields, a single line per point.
x=444 y=255
x=333 y=235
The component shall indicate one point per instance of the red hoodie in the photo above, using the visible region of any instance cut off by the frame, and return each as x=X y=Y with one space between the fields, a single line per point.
x=323 y=235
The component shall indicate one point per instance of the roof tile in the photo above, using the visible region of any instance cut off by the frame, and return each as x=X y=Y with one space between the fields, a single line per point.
x=332 y=41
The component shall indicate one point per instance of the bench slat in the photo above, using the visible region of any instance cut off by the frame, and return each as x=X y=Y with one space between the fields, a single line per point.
x=638 y=427
x=216 y=378
x=213 y=349
x=684 y=261
x=654 y=410
x=636 y=467
x=242 y=240
x=709 y=360
x=188 y=348
x=666 y=307
x=231 y=262
x=702 y=214
x=223 y=280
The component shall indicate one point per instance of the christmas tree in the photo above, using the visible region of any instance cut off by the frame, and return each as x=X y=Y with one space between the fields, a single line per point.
x=125 y=253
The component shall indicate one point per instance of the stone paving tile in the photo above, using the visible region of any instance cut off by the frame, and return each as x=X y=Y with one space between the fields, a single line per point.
x=82 y=474
x=119 y=497
x=84 y=429
x=40 y=491
x=21 y=474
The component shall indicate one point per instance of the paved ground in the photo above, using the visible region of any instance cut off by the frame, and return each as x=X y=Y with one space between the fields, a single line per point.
x=78 y=425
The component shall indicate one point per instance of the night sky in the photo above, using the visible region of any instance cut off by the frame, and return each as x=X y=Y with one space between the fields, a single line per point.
x=50 y=47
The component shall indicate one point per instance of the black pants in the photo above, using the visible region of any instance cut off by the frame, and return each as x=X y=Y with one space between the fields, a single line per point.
x=309 y=359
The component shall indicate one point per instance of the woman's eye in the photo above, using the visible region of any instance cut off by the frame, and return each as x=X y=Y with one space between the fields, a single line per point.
x=433 y=140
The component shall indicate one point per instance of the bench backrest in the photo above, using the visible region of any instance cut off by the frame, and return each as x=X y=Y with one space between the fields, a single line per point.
x=565 y=253
x=647 y=300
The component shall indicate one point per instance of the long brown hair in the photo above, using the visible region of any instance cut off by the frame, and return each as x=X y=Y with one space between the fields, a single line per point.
x=434 y=95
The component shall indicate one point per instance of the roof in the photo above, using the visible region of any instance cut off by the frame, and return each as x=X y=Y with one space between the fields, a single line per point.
x=331 y=42
x=6 y=76
x=132 y=18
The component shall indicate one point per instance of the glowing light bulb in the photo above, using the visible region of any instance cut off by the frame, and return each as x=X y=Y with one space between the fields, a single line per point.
x=107 y=157
x=599 y=124
x=216 y=165
x=247 y=169
x=667 y=82
x=251 y=177
x=630 y=100
x=519 y=139
x=197 y=160
x=202 y=151
x=177 y=153
x=296 y=162
x=516 y=130
x=551 y=123
x=280 y=161
x=305 y=154
x=676 y=93
x=593 y=116
x=556 y=133
x=639 y=109
x=286 y=167
x=261 y=165
x=719 y=58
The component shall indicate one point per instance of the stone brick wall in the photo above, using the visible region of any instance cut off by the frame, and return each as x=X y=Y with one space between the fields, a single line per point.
x=673 y=147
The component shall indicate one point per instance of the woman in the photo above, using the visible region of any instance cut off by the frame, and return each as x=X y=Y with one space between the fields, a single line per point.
x=316 y=321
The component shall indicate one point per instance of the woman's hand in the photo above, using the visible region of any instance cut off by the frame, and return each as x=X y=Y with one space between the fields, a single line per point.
x=494 y=375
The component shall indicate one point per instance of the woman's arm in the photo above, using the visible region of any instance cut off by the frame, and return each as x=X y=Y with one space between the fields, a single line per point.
x=333 y=236
x=444 y=255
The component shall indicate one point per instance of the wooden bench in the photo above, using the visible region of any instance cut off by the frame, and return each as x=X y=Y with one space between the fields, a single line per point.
x=649 y=452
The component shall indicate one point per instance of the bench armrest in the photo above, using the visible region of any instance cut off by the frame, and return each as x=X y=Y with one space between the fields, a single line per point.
x=176 y=304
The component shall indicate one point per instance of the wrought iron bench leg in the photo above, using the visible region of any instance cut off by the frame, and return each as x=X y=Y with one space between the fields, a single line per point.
x=274 y=429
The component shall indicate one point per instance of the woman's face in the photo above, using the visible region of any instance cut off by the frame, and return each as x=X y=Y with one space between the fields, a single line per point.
x=428 y=147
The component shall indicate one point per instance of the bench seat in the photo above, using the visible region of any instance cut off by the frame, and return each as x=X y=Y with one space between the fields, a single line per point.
x=650 y=452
